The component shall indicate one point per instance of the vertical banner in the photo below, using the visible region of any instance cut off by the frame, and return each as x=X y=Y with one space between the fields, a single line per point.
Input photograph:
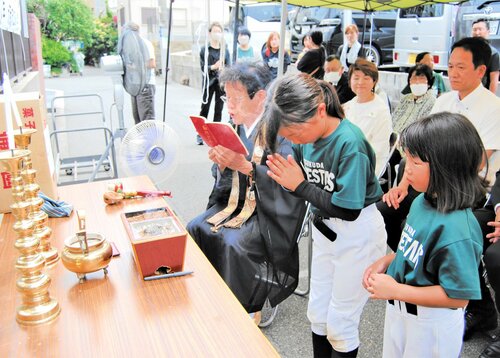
x=10 y=16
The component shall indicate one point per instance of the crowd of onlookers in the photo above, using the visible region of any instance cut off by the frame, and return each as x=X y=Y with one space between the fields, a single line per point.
x=344 y=133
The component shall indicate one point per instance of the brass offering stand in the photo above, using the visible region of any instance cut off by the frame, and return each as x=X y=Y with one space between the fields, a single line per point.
x=37 y=306
x=40 y=218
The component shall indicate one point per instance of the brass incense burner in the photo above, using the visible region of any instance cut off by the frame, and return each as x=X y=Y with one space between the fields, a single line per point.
x=86 y=252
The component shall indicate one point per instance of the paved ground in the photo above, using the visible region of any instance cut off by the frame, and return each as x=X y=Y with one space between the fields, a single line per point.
x=191 y=183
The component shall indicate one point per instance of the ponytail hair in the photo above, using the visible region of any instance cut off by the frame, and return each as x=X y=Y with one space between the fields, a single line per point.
x=294 y=99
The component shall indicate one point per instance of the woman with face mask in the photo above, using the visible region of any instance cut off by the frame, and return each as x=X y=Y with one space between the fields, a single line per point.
x=245 y=51
x=211 y=63
x=419 y=102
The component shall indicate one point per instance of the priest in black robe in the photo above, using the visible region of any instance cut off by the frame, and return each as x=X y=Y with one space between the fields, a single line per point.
x=250 y=228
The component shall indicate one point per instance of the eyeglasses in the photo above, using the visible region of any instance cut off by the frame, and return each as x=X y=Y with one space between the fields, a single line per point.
x=236 y=100
x=226 y=99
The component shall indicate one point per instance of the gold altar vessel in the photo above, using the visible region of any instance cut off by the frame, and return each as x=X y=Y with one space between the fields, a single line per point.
x=86 y=252
x=31 y=188
x=37 y=306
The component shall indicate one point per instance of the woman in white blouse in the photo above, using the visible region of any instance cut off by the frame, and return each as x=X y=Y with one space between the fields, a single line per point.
x=368 y=111
x=351 y=49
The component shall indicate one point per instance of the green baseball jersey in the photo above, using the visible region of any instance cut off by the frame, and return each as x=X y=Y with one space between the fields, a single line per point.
x=439 y=249
x=343 y=164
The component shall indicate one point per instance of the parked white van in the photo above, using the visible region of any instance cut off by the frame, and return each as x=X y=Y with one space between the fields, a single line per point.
x=261 y=20
x=424 y=28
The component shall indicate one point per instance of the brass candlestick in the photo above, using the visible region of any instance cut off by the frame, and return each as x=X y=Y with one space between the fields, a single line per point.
x=31 y=189
x=37 y=306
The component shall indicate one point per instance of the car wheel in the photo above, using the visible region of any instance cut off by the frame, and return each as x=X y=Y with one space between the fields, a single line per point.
x=372 y=54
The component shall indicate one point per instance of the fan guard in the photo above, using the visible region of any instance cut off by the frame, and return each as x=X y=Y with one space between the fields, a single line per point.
x=150 y=148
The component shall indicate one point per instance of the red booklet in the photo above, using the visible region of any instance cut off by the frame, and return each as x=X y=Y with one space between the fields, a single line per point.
x=219 y=133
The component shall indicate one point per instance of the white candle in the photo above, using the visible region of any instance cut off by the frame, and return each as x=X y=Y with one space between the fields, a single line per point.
x=8 y=116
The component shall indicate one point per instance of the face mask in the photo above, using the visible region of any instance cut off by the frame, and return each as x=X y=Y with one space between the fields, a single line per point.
x=243 y=40
x=332 y=77
x=216 y=36
x=419 y=89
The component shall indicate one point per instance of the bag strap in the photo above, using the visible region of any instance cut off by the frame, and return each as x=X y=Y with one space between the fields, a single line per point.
x=315 y=70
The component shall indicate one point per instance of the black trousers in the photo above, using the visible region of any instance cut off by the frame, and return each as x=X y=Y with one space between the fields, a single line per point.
x=213 y=90
x=491 y=258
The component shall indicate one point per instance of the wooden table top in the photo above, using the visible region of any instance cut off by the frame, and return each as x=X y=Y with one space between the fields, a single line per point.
x=121 y=315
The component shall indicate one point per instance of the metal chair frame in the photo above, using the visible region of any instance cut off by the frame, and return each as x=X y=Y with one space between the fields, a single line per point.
x=305 y=231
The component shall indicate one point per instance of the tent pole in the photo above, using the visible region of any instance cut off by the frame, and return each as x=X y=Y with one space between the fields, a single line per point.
x=235 y=31
x=168 y=60
x=284 y=18
x=364 y=30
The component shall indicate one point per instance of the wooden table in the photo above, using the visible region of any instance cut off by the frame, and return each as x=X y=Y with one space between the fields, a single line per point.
x=121 y=315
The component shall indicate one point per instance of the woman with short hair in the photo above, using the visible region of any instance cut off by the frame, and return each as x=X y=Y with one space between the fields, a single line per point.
x=368 y=111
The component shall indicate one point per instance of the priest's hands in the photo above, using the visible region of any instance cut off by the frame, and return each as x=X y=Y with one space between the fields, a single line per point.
x=227 y=158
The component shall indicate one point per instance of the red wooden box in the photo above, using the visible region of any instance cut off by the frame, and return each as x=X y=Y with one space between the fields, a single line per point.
x=158 y=240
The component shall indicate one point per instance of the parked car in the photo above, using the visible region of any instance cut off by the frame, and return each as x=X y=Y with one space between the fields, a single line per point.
x=435 y=27
x=424 y=28
x=378 y=43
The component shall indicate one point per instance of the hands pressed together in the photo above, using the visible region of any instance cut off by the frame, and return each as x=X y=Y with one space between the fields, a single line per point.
x=286 y=172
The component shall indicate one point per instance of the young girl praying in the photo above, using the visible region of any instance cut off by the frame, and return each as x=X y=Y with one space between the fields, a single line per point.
x=433 y=274
x=333 y=167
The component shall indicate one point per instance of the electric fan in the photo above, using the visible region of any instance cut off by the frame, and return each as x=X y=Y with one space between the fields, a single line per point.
x=150 y=147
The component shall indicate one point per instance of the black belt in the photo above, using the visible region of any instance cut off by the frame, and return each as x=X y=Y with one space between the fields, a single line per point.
x=410 y=307
x=323 y=228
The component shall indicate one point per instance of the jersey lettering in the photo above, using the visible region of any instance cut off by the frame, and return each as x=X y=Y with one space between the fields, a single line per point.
x=412 y=249
x=316 y=174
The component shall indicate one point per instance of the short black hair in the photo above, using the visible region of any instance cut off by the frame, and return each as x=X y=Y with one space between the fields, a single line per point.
x=253 y=76
x=486 y=22
x=242 y=30
x=451 y=145
x=316 y=37
x=332 y=58
x=421 y=56
x=422 y=70
x=479 y=47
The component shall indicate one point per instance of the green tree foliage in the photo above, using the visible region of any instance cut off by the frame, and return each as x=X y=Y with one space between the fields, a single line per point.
x=54 y=53
x=104 y=40
x=64 y=19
